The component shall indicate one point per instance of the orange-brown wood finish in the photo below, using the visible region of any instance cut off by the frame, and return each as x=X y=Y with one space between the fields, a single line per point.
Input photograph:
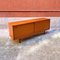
x=28 y=28
x=23 y=31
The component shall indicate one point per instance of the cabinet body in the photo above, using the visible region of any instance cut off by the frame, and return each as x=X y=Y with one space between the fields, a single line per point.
x=28 y=28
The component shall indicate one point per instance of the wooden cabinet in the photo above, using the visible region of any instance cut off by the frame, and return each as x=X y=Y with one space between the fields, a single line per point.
x=28 y=28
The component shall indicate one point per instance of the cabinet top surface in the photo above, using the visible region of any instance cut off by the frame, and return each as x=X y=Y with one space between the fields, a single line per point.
x=27 y=21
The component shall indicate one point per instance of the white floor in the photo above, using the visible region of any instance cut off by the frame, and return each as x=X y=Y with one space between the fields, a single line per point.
x=42 y=47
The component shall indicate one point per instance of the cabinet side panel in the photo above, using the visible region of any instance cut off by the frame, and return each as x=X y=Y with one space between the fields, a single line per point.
x=11 y=31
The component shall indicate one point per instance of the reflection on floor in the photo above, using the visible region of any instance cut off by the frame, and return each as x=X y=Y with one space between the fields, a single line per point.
x=42 y=47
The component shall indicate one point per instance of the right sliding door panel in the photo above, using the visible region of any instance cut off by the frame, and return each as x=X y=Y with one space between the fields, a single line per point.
x=42 y=26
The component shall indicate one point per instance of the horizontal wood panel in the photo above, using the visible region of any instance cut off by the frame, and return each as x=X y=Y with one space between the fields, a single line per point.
x=30 y=14
x=29 y=5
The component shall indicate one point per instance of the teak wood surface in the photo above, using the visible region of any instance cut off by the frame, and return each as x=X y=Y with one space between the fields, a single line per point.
x=28 y=28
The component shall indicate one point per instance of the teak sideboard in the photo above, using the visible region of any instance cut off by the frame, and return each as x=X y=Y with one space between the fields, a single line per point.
x=28 y=28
